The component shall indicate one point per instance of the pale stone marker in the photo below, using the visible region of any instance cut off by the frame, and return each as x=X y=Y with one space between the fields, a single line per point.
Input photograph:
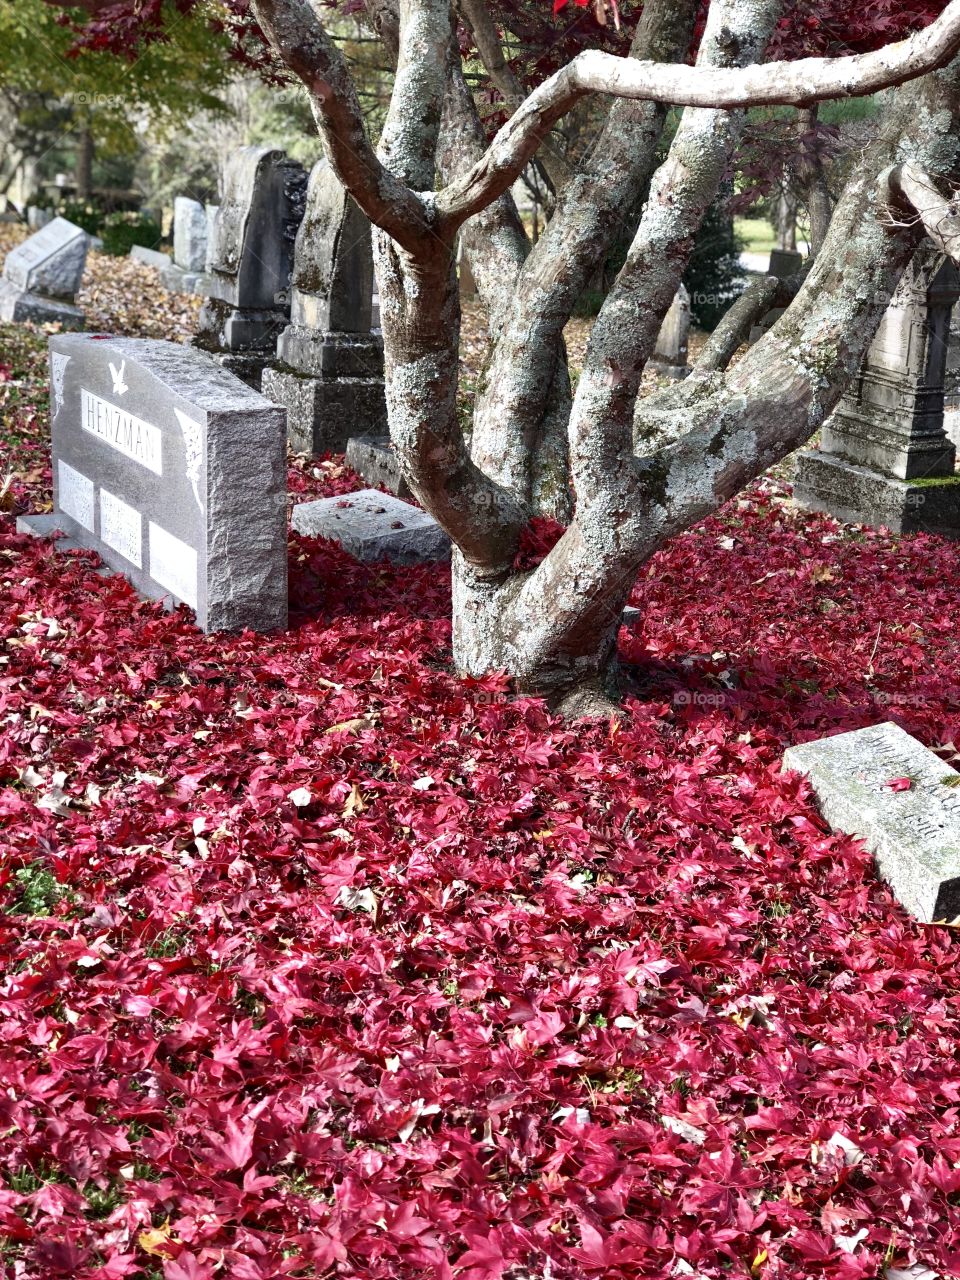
x=149 y=257
x=887 y=434
x=329 y=371
x=41 y=276
x=189 y=247
x=373 y=526
x=174 y=471
x=913 y=834
x=670 y=354
x=251 y=256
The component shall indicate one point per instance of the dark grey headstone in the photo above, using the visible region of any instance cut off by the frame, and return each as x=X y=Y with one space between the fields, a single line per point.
x=250 y=257
x=329 y=372
x=914 y=834
x=175 y=472
x=784 y=263
x=373 y=526
x=41 y=276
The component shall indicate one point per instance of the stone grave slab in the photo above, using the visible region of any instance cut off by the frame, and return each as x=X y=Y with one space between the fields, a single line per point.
x=373 y=526
x=913 y=834
x=41 y=276
x=173 y=471
x=670 y=353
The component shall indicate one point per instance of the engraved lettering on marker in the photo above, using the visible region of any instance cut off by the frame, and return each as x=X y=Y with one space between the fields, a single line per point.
x=121 y=527
x=123 y=431
x=75 y=495
x=173 y=565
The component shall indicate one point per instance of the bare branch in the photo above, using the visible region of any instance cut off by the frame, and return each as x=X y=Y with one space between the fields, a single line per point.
x=477 y=16
x=799 y=83
x=734 y=329
x=940 y=217
x=297 y=34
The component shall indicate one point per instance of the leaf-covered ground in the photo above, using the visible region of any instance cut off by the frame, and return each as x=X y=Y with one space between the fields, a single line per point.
x=318 y=961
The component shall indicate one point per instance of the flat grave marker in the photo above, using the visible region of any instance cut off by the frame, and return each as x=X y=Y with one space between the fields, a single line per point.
x=373 y=526
x=174 y=471
x=914 y=833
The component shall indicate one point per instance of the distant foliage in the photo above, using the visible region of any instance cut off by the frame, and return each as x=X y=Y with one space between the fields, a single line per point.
x=714 y=277
x=121 y=231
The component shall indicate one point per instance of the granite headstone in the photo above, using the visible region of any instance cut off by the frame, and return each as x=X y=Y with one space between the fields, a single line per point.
x=373 y=526
x=884 y=456
x=175 y=472
x=41 y=276
x=189 y=247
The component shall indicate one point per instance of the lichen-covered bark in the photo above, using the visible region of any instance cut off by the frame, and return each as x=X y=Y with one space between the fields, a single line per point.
x=514 y=415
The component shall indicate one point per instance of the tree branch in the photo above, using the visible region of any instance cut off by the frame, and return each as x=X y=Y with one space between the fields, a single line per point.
x=296 y=33
x=799 y=83
x=940 y=217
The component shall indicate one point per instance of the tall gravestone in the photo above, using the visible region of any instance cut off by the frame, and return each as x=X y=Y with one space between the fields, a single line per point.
x=41 y=276
x=185 y=273
x=329 y=371
x=885 y=458
x=250 y=260
x=175 y=472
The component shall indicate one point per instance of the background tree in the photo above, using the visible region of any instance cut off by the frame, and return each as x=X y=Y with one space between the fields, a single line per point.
x=68 y=102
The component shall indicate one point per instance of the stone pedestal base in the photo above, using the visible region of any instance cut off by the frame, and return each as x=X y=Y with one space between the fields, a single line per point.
x=328 y=354
x=19 y=307
x=322 y=414
x=377 y=463
x=855 y=495
x=373 y=526
x=223 y=327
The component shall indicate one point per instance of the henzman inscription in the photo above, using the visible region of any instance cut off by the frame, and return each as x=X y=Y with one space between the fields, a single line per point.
x=122 y=430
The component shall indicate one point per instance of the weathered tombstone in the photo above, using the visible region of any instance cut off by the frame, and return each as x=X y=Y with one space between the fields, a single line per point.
x=189 y=247
x=373 y=526
x=375 y=459
x=914 y=833
x=251 y=255
x=38 y=217
x=670 y=353
x=149 y=257
x=41 y=276
x=211 y=210
x=329 y=372
x=175 y=472
x=884 y=457
x=951 y=387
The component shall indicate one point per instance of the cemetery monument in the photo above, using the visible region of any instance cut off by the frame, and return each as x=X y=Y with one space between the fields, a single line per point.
x=250 y=260
x=329 y=368
x=174 y=471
